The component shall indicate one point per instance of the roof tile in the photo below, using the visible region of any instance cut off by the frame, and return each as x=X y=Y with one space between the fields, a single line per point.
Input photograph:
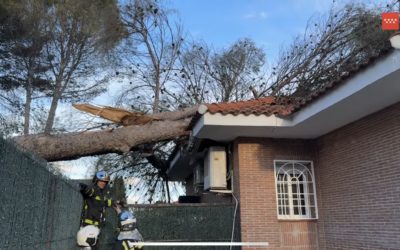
x=285 y=106
x=262 y=106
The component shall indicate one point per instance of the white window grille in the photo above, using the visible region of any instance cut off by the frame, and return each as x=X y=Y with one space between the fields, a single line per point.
x=295 y=190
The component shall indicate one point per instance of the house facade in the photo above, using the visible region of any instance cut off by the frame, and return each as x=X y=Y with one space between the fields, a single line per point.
x=318 y=174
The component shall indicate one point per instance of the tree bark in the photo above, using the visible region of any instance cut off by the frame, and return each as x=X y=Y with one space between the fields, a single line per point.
x=53 y=107
x=27 y=106
x=74 y=145
x=70 y=146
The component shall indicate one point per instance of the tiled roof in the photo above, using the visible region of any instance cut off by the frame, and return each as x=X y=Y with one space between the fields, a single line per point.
x=340 y=80
x=285 y=106
x=261 y=106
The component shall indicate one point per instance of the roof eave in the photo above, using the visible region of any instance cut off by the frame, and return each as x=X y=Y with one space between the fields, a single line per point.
x=348 y=102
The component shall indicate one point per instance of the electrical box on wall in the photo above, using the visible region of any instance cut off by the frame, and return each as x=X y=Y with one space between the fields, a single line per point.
x=215 y=169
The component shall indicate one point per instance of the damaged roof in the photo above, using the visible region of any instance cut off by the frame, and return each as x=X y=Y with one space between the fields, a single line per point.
x=285 y=106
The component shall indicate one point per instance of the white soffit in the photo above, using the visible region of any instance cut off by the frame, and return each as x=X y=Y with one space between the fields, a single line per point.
x=368 y=91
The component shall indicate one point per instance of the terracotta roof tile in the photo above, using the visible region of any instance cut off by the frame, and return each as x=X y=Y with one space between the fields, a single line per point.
x=334 y=83
x=261 y=106
x=284 y=106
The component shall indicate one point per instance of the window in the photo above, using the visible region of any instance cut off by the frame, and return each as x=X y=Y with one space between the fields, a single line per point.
x=295 y=190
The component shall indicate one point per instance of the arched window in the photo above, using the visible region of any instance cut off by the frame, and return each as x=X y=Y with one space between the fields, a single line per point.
x=295 y=190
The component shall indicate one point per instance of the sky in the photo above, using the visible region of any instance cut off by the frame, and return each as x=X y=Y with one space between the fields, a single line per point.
x=219 y=23
x=271 y=24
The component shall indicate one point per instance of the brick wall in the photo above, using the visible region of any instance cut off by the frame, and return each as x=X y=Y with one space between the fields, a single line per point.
x=254 y=171
x=358 y=172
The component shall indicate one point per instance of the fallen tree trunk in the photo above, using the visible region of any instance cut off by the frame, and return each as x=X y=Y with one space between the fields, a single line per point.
x=70 y=146
x=120 y=140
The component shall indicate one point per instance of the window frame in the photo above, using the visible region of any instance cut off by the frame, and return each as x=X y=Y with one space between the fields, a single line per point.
x=308 y=206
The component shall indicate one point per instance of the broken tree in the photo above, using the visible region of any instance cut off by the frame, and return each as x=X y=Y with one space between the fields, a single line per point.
x=165 y=126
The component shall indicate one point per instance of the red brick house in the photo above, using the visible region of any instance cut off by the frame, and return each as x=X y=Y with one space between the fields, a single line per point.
x=323 y=173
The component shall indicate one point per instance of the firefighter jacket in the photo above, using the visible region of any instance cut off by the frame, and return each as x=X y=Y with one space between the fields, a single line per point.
x=95 y=201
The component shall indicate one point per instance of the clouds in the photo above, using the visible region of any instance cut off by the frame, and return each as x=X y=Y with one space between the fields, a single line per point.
x=256 y=15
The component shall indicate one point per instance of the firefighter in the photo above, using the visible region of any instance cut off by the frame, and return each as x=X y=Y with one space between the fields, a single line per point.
x=129 y=235
x=96 y=198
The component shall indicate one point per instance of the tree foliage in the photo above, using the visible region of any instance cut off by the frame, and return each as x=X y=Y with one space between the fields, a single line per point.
x=54 y=51
x=330 y=48
x=211 y=75
x=73 y=50
x=159 y=70
x=149 y=53
x=235 y=69
x=25 y=67
x=118 y=189
x=143 y=182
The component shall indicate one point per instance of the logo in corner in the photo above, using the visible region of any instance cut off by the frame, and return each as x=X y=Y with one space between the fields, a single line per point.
x=390 y=21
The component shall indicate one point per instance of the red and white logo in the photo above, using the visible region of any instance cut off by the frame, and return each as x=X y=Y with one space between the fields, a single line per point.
x=390 y=21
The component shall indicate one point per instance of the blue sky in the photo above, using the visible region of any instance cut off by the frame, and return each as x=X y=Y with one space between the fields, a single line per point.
x=271 y=24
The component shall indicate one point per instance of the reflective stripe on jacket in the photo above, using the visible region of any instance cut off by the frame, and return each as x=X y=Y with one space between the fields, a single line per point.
x=94 y=204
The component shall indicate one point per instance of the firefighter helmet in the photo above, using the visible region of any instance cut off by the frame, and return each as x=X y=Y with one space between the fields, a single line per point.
x=127 y=220
x=101 y=176
x=87 y=236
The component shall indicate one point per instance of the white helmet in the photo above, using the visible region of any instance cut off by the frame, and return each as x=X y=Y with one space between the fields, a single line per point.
x=87 y=236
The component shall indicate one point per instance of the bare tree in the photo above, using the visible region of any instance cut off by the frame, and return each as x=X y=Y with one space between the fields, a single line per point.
x=191 y=81
x=328 y=50
x=208 y=75
x=149 y=57
x=235 y=69
x=151 y=51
